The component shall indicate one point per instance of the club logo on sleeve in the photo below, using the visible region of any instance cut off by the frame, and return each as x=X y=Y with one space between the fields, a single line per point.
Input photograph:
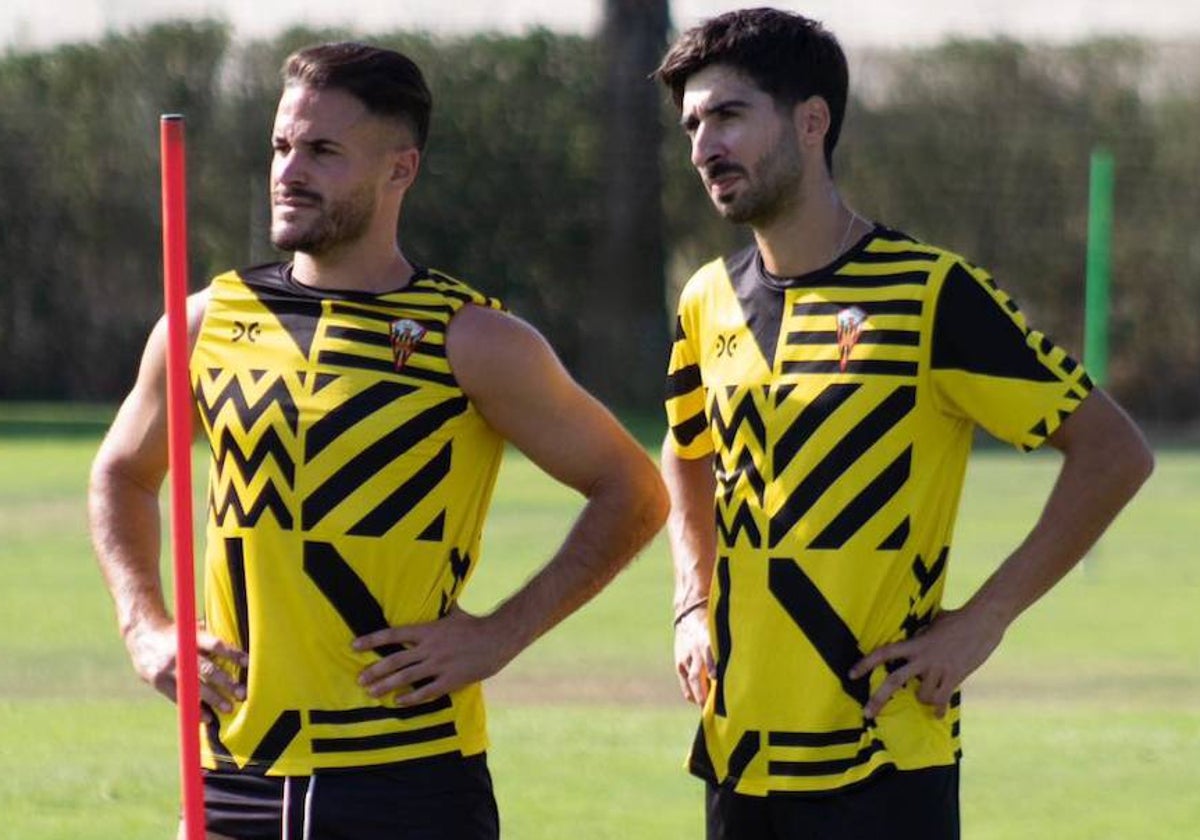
x=849 y=327
x=405 y=335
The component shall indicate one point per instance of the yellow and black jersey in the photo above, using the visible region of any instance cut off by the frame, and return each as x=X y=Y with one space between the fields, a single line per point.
x=838 y=409
x=348 y=484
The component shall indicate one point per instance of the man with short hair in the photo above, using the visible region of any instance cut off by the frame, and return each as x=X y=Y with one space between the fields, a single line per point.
x=356 y=405
x=824 y=387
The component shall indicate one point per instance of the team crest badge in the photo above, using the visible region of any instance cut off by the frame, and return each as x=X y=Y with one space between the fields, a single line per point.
x=849 y=328
x=405 y=335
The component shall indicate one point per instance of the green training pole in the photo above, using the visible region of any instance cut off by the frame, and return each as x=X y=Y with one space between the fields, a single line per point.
x=1099 y=264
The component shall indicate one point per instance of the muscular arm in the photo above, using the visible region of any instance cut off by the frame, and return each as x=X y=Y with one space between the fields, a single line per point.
x=514 y=380
x=123 y=516
x=691 y=529
x=1105 y=461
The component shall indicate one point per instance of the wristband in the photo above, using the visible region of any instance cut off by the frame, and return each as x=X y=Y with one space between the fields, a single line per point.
x=690 y=608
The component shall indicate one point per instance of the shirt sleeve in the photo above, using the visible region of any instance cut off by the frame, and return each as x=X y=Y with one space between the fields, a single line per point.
x=685 y=393
x=989 y=367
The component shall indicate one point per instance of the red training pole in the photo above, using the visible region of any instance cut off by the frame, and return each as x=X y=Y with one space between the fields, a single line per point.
x=179 y=424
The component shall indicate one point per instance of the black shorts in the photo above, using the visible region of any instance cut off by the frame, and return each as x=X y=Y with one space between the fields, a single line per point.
x=445 y=797
x=897 y=805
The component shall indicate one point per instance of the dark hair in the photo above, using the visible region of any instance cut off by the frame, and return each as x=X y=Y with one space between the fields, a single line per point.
x=387 y=83
x=788 y=56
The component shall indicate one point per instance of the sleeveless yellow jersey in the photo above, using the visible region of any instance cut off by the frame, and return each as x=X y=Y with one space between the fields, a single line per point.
x=349 y=480
x=838 y=408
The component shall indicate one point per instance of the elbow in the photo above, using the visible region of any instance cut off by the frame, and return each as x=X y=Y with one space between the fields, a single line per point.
x=652 y=504
x=1141 y=465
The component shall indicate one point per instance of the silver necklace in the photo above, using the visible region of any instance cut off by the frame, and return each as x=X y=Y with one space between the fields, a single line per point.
x=841 y=246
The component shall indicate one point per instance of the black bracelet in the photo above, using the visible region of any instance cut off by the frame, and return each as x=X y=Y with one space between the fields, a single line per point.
x=690 y=608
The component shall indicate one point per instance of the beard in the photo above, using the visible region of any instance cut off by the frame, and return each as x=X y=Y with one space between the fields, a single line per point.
x=770 y=188
x=336 y=223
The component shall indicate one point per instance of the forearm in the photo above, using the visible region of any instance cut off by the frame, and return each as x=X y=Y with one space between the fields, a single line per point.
x=125 y=527
x=1105 y=463
x=623 y=512
x=691 y=527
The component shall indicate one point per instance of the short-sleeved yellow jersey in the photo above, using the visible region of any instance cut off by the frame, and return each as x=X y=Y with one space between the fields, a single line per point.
x=349 y=480
x=838 y=408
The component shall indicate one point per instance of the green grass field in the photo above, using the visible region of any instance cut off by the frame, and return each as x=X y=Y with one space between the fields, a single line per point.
x=1086 y=723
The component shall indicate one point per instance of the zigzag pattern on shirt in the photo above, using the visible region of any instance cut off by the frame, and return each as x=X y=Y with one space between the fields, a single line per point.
x=248 y=411
x=744 y=413
x=742 y=522
x=269 y=445
x=267 y=499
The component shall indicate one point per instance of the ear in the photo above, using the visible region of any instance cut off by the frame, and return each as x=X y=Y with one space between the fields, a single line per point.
x=811 y=120
x=406 y=162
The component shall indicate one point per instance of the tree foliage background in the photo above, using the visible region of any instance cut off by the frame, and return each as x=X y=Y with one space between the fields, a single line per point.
x=982 y=147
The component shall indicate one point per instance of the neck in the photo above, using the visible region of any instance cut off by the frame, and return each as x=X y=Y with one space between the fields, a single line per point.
x=354 y=269
x=815 y=232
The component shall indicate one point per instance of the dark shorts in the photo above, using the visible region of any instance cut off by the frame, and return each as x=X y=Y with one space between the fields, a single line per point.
x=446 y=797
x=917 y=804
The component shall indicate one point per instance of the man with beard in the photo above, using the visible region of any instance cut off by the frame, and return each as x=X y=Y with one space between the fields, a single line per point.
x=824 y=386
x=356 y=406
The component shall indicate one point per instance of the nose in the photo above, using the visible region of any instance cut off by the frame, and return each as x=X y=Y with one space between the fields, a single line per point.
x=289 y=167
x=706 y=146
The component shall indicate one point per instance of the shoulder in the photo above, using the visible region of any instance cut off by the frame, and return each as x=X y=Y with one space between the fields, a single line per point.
x=714 y=275
x=458 y=292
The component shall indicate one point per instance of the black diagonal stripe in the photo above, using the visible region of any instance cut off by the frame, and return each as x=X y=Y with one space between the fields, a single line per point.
x=435 y=530
x=357 y=408
x=683 y=381
x=680 y=335
x=834 y=738
x=810 y=419
x=896 y=540
x=877 y=367
x=869 y=501
x=370 y=714
x=742 y=754
x=849 y=449
x=839 y=459
x=871 y=307
x=691 y=428
x=404 y=498
x=282 y=732
x=235 y=559
x=834 y=642
x=348 y=595
x=346 y=592
x=724 y=637
x=376 y=457
x=384 y=741
x=835 y=766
